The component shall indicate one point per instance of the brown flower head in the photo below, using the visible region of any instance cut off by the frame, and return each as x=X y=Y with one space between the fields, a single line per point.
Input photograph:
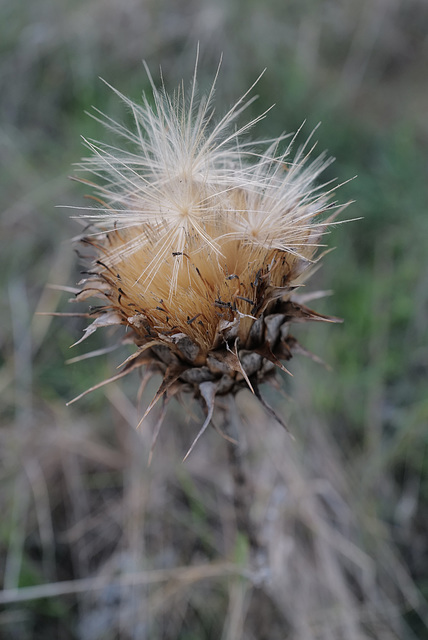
x=200 y=242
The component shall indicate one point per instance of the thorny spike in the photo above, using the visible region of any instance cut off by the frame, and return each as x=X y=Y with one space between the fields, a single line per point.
x=237 y=365
x=208 y=392
x=103 y=383
x=269 y=409
x=171 y=375
x=157 y=429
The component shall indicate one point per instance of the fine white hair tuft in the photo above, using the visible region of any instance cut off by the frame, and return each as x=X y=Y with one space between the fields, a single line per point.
x=180 y=183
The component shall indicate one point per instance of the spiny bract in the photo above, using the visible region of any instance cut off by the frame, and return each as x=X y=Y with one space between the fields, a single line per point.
x=199 y=242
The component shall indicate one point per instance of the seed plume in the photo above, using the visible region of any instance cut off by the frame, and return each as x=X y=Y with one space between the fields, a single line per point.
x=200 y=240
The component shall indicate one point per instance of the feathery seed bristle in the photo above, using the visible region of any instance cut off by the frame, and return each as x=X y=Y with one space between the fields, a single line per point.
x=200 y=240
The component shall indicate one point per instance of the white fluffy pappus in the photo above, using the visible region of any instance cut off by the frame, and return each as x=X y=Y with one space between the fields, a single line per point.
x=181 y=182
x=189 y=215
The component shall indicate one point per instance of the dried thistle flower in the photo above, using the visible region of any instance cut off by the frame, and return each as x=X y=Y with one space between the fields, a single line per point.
x=199 y=244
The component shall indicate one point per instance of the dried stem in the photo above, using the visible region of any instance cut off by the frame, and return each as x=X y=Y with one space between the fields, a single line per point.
x=243 y=492
x=243 y=498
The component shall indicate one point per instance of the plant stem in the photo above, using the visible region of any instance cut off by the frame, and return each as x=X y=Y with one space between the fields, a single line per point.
x=243 y=492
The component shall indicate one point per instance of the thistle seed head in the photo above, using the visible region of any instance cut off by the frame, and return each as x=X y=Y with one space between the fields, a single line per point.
x=200 y=241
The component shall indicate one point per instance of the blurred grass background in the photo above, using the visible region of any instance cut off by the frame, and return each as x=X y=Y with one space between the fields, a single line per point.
x=343 y=510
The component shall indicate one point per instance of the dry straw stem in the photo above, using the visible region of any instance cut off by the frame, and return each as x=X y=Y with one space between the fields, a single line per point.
x=200 y=240
x=186 y=575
